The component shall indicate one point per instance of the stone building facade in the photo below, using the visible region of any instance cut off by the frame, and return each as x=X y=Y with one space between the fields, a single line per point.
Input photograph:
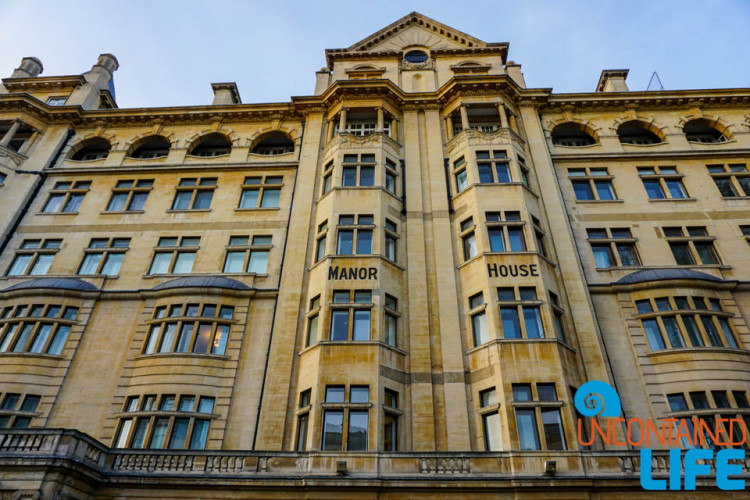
x=391 y=288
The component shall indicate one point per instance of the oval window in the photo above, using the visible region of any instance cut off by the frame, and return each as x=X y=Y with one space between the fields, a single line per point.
x=416 y=56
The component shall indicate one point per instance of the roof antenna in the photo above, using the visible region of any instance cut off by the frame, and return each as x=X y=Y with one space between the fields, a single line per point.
x=656 y=84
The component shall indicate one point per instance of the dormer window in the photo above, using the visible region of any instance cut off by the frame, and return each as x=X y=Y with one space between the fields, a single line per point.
x=57 y=101
x=416 y=56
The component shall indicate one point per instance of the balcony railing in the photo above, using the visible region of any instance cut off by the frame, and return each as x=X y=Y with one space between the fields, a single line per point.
x=36 y=447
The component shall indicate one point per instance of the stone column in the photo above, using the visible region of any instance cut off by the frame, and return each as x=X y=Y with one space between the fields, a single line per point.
x=10 y=133
x=27 y=145
x=342 y=121
x=464 y=118
x=394 y=129
x=503 y=115
x=380 y=120
x=449 y=127
x=329 y=130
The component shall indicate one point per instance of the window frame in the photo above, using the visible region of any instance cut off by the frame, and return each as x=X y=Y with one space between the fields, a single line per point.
x=175 y=251
x=350 y=308
x=165 y=326
x=139 y=186
x=43 y=248
x=196 y=190
x=248 y=249
x=592 y=180
x=663 y=179
x=66 y=195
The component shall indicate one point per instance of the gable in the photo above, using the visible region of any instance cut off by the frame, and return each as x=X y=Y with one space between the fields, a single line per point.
x=416 y=29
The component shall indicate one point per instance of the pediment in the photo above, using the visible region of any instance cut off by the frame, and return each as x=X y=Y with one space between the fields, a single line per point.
x=416 y=30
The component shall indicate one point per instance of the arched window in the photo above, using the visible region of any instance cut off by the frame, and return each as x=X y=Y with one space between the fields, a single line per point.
x=275 y=143
x=571 y=134
x=154 y=146
x=636 y=132
x=92 y=149
x=700 y=130
x=214 y=144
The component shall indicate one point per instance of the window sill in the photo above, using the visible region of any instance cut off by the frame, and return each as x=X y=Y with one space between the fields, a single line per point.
x=342 y=405
x=207 y=157
x=599 y=201
x=191 y=210
x=38 y=355
x=485 y=410
x=221 y=357
x=56 y=213
x=657 y=200
x=536 y=404
x=643 y=145
x=121 y=212
x=545 y=340
x=257 y=209
x=692 y=351
x=728 y=198
x=322 y=343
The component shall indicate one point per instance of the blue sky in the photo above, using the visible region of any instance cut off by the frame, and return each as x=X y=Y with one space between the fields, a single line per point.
x=170 y=51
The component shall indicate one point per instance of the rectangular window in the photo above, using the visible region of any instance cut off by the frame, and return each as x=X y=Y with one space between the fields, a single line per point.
x=353 y=236
x=185 y=331
x=66 y=197
x=520 y=314
x=391 y=321
x=493 y=167
x=37 y=329
x=545 y=409
x=613 y=247
x=194 y=194
x=351 y=315
x=662 y=183
x=246 y=257
x=391 y=240
x=34 y=258
x=261 y=192
x=691 y=246
x=14 y=417
x=733 y=180
x=493 y=440
x=358 y=170
x=390 y=421
x=459 y=174
x=391 y=176
x=104 y=256
x=174 y=255
x=130 y=195
x=478 y=316
x=592 y=184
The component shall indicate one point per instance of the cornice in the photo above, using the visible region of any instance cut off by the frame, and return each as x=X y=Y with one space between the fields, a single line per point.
x=44 y=83
x=667 y=100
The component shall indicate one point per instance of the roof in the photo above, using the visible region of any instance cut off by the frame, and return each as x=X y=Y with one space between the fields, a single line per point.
x=202 y=282
x=57 y=283
x=647 y=275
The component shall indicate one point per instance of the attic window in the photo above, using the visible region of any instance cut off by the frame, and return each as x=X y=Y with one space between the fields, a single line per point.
x=416 y=56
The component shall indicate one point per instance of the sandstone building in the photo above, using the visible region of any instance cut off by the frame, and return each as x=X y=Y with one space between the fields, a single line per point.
x=390 y=288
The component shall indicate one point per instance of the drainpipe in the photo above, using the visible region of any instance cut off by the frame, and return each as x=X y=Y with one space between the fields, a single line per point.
x=276 y=301
x=448 y=185
x=403 y=185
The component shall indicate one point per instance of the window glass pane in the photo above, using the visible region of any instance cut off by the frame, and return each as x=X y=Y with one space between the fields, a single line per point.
x=604 y=190
x=249 y=198
x=200 y=433
x=345 y=242
x=503 y=173
x=677 y=402
x=673 y=332
x=602 y=256
x=117 y=203
x=203 y=339
x=367 y=176
x=203 y=200
x=187 y=403
x=42 y=335
x=676 y=189
x=23 y=338
x=582 y=190
x=553 y=429
x=527 y=431
x=628 y=257
x=138 y=201
x=461 y=181
x=54 y=202
x=258 y=262
x=168 y=337
x=361 y=325
x=357 y=437
x=235 y=262
x=533 y=320
x=153 y=336
x=692 y=330
x=219 y=345
x=653 y=189
x=42 y=264
x=206 y=405
x=682 y=254
x=479 y=325
x=122 y=435
x=653 y=334
x=699 y=400
x=359 y=394
x=179 y=433
x=470 y=246
x=139 y=435
x=19 y=266
x=159 y=433
x=706 y=253
x=90 y=263
x=516 y=239
x=161 y=262
x=333 y=430
x=727 y=330
x=226 y=312
x=726 y=188
x=720 y=399
x=185 y=338
x=485 y=173
x=339 y=325
x=510 y=322
x=349 y=176
x=493 y=438
x=364 y=242
x=713 y=335
x=52 y=312
x=112 y=264
x=182 y=200
x=270 y=198
x=341 y=296
x=184 y=262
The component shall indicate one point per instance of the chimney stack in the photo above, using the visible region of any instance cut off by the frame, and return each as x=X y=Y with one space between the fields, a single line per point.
x=613 y=80
x=30 y=67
